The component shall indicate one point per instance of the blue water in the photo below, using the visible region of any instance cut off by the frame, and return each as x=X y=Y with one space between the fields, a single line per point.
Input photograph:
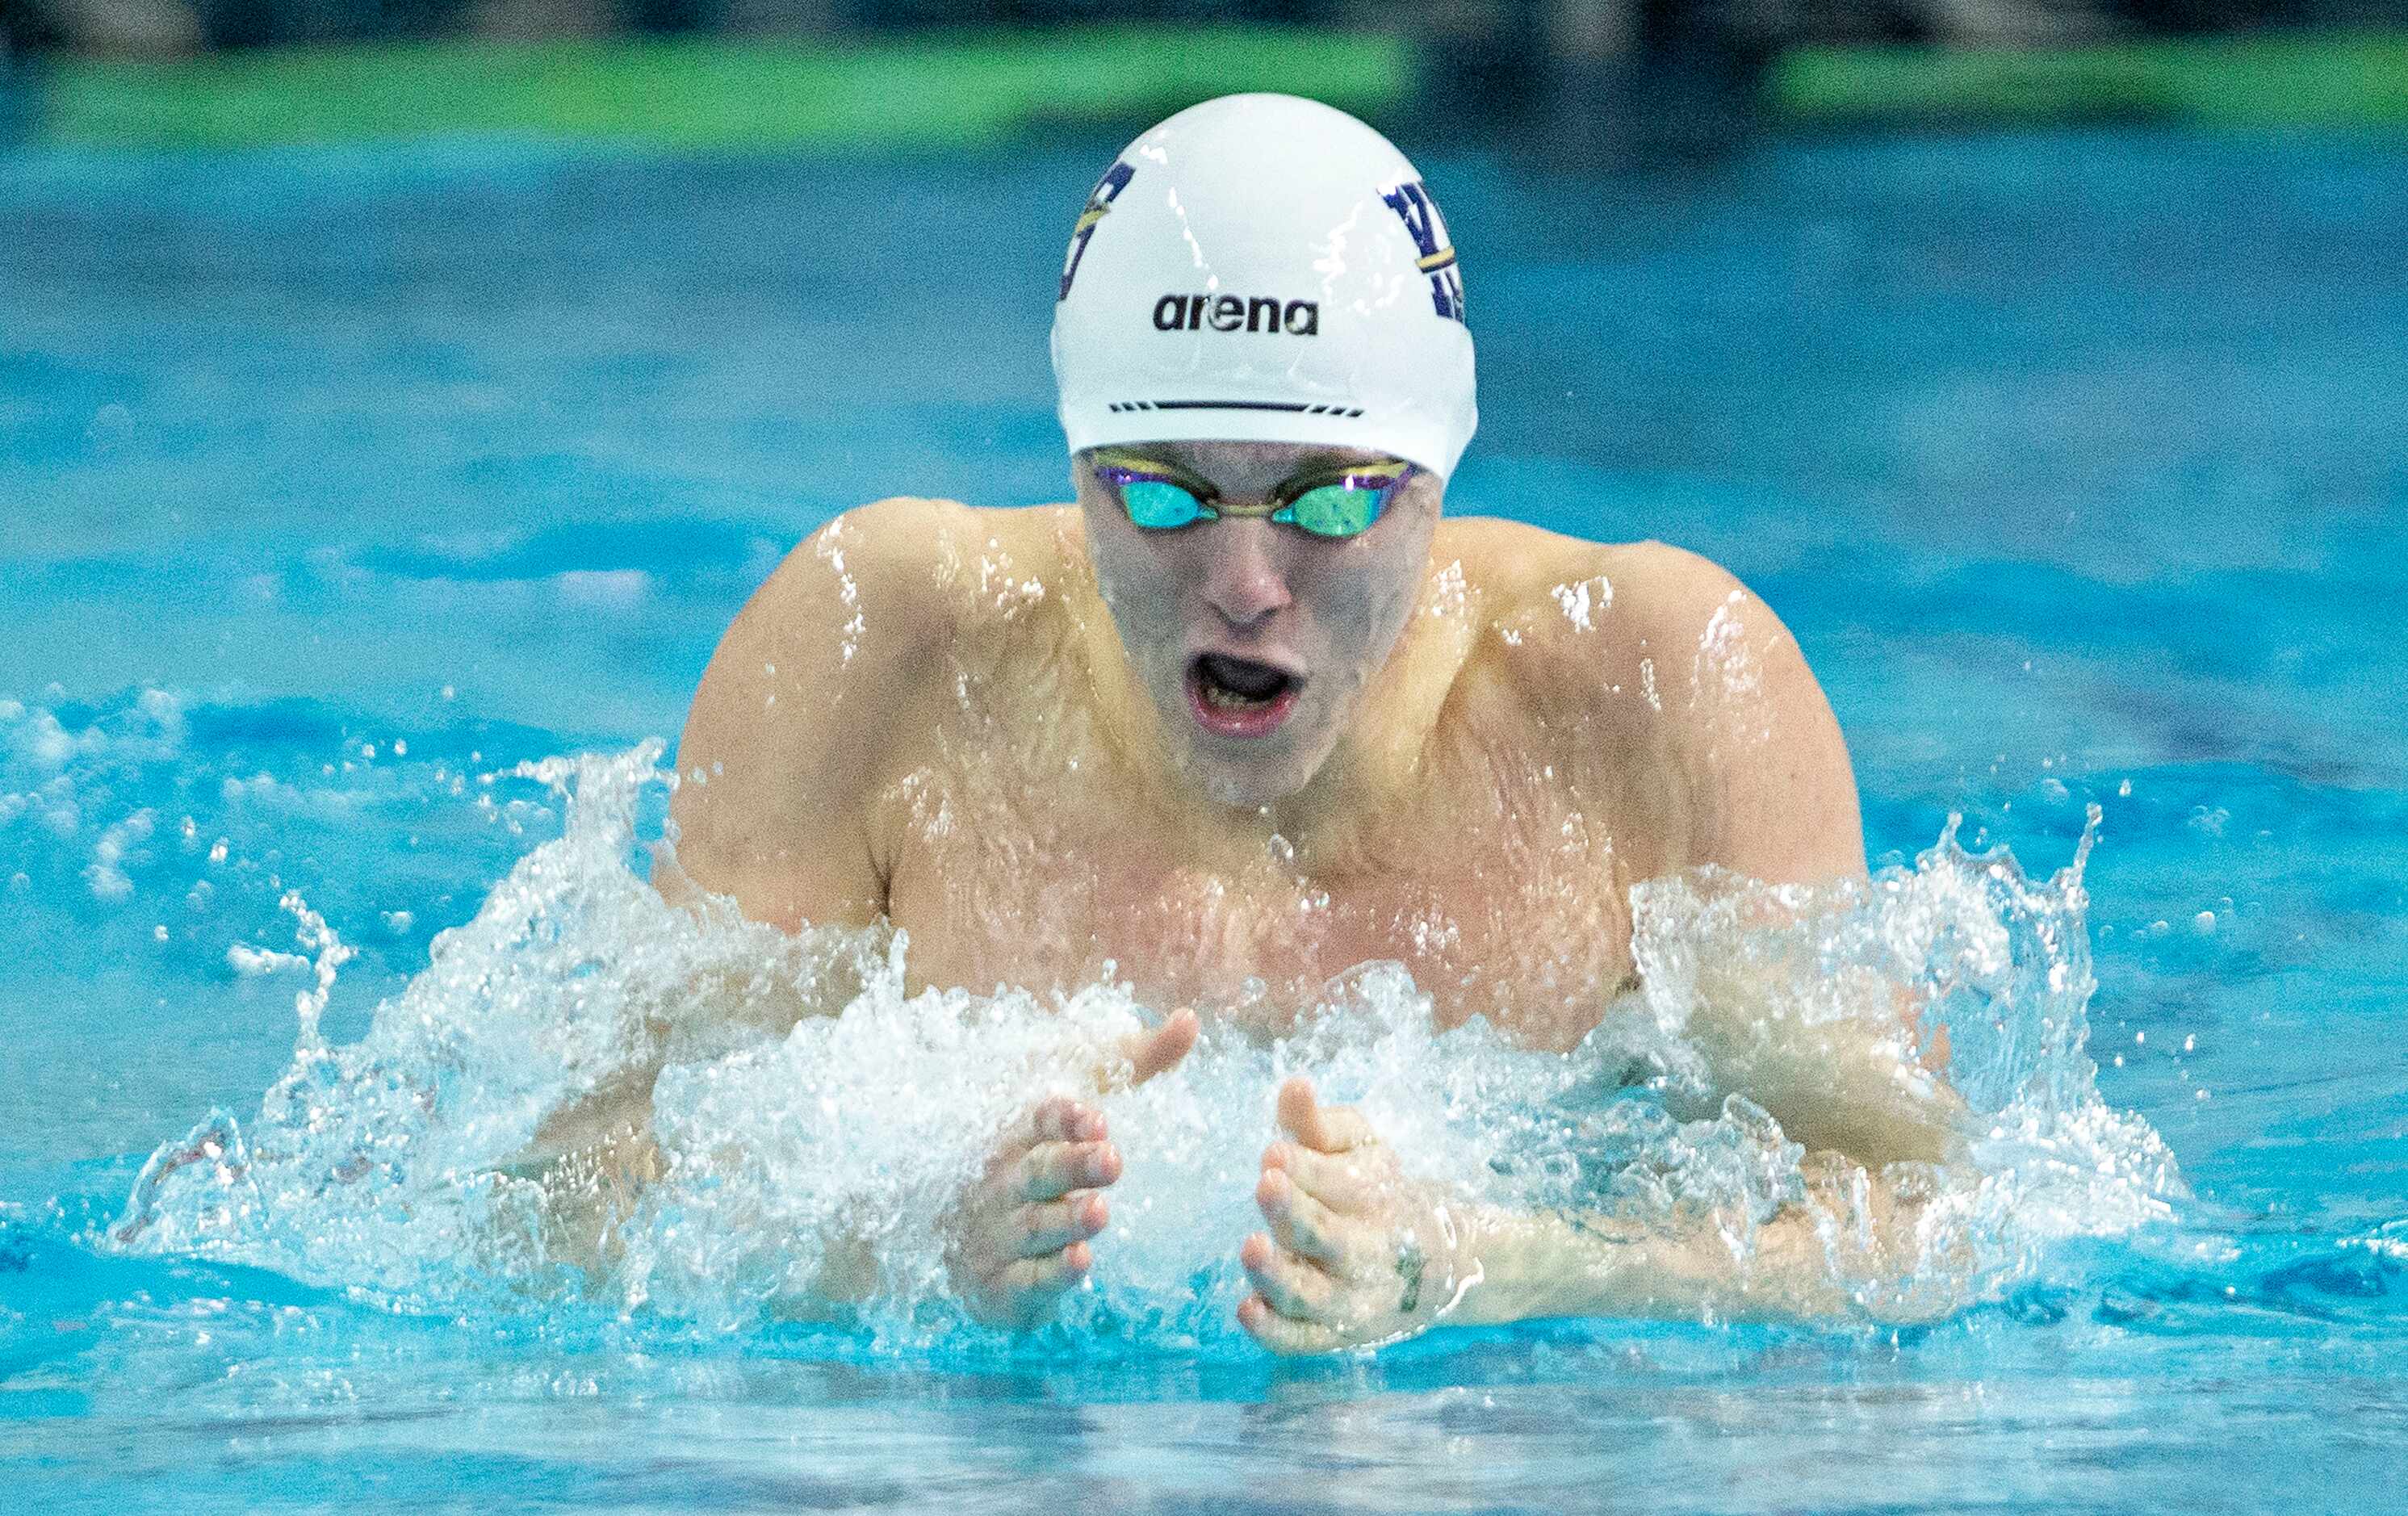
x=335 y=486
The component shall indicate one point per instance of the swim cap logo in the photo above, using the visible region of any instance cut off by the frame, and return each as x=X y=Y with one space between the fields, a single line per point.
x=1428 y=229
x=1237 y=313
x=1099 y=204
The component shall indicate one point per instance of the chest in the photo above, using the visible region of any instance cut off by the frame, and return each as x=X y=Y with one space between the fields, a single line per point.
x=1501 y=890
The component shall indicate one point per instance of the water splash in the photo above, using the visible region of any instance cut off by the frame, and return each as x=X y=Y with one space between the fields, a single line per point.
x=765 y=1126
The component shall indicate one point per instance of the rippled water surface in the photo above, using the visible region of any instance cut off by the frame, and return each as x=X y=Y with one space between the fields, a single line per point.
x=342 y=491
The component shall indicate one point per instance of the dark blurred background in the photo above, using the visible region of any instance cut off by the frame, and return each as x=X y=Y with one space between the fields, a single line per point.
x=1523 y=30
x=1593 y=83
x=1478 y=35
x=1631 y=80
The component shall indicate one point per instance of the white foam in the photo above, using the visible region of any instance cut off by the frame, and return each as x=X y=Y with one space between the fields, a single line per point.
x=379 y=1165
x=245 y=959
x=104 y=874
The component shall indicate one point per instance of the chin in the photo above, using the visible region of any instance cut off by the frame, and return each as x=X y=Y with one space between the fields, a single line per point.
x=1243 y=769
x=1250 y=788
x=1253 y=781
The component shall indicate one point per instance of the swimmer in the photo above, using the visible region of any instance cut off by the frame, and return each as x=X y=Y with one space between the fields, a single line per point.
x=1254 y=709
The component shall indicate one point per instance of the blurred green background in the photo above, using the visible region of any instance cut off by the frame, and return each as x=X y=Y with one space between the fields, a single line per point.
x=1599 y=82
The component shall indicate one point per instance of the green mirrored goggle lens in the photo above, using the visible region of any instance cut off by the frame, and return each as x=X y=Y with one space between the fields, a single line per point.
x=1336 y=509
x=1157 y=503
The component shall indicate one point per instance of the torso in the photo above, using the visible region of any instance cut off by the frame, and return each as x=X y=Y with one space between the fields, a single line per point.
x=1020 y=850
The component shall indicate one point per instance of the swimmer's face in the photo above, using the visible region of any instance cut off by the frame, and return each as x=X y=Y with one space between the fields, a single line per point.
x=1255 y=640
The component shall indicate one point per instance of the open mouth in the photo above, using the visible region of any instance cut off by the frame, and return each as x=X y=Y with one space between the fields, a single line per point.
x=1239 y=697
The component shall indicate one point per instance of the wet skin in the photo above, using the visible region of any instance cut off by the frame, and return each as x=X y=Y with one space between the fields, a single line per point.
x=985 y=727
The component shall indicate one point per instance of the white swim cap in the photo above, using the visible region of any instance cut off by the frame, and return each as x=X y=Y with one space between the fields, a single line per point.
x=1264 y=268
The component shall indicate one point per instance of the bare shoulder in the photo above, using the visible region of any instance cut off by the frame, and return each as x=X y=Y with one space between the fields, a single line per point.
x=871 y=593
x=811 y=696
x=1664 y=658
x=1569 y=617
x=856 y=601
x=887 y=555
x=1571 y=593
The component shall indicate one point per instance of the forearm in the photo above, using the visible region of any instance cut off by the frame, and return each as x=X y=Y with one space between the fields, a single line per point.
x=590 y=1193
x=1854 y=1249
x=596 y=1156
x=1571 y=1264
x=1831 y=1056
x=595 y=1151
x=592 y=1185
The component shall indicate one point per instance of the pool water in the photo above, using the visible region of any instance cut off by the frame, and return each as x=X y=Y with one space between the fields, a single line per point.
x=340 y=490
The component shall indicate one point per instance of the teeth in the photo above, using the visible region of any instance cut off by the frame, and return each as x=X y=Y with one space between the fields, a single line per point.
x=1230 y=699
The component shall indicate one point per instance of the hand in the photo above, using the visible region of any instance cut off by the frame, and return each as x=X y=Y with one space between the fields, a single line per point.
x=1358 y=1254
x=1019 y=1236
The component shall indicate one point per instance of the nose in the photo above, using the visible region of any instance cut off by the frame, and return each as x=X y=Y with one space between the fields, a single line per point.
x=1244 y=580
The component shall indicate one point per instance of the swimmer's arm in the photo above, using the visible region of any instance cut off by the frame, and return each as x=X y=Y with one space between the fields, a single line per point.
x=803 y=707
x=1767 y=787
x=809 y=705
x=1763 y=788
x=1358 y=1254
x=1853 y=1251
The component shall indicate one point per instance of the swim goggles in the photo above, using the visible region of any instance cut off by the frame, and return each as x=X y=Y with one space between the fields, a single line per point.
x=1335 y=503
